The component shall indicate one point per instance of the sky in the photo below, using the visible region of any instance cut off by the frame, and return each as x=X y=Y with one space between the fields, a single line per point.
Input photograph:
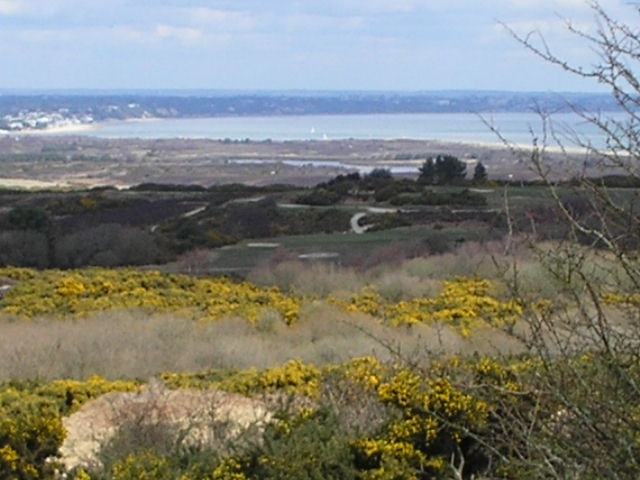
x=375 y=45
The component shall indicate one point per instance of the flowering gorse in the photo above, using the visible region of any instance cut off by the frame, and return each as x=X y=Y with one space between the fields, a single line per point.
x=464 y=303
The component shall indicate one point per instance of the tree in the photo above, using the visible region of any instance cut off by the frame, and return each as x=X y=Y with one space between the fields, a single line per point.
x=480 y=175
x=106 y=245
x=28 y=218
x=442 y=170
x=450 y=170
x=427 y=172
x=586 y=341
x=377 y=179
x=24 y=248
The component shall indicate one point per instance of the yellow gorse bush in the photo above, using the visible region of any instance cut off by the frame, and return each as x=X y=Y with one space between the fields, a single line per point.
x=145 y=465
x=366 y=372
x=229 y=469
x=464 y=302
x=428 y=416
x=81 y=292
x=433 y=415
x=294 y=377
x=30 y=431
x=622 y=299
x=72 y=394
x=31 y=427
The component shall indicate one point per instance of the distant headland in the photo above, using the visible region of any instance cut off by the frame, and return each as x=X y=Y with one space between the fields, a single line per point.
x=25 y=110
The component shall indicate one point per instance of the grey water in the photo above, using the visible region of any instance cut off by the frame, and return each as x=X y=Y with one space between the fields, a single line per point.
x=521 y=128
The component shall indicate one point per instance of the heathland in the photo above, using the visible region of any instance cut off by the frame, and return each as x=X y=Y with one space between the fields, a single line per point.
x=178 y=309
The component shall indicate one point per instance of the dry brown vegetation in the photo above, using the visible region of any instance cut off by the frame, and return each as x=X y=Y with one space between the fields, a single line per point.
x=136 y=344
x=86 y=161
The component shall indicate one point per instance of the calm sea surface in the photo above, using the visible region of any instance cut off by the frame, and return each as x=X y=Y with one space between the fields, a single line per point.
x=458 y=127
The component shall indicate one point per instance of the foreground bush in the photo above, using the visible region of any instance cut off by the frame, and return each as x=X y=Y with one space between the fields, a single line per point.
x=30 y=432
x=364 y=419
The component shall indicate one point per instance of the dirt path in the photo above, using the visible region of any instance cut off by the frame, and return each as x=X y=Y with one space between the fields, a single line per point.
x=355 y=223
x=355 y=220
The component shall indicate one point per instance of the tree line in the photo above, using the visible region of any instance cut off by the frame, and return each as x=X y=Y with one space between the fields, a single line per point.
x=449 y=170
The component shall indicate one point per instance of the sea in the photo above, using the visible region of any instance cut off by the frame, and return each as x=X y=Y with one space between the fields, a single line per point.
x=520 y=128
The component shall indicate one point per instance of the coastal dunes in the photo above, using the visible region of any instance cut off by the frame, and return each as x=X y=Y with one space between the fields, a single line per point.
x=84 y=161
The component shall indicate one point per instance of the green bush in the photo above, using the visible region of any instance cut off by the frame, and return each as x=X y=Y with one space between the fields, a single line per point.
x=308 y=447
x=319 y=197
x=30 y=431
x=145 y=465
x=28 y=218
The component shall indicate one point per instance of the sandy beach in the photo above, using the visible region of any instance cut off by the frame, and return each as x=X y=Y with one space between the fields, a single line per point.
x=30 y=184
x=70 y=129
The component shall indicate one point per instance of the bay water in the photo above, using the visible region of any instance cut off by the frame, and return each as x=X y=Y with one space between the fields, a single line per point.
x=520 y=128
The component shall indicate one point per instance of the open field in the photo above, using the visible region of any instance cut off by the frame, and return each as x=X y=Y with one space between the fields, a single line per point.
x=345 y=248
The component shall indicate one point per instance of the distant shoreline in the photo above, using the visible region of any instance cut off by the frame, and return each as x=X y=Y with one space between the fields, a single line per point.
x=461 y=129
x=57 y=130
x=24 y=183
x=518 y=129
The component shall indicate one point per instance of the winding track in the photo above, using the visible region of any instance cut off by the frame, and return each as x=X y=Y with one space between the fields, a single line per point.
x=355 y=220
x=355 y=225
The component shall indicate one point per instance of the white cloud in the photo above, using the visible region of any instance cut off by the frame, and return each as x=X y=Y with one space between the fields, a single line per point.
x=321 y=22
x=184 y=35
x=227 y=20
x=380 y=6
x=377 y=42
x=10 y=7
x=45 y=36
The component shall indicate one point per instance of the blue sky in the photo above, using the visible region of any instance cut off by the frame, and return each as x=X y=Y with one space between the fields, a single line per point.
x=290 y=44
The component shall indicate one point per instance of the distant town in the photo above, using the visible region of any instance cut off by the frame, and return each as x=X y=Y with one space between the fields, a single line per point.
x=30 y=111
x=41 y=120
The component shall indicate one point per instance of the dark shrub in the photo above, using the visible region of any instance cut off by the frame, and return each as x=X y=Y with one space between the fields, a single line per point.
x=24 y=249
x=106 y=246
x=312 y=448
x=320 y=197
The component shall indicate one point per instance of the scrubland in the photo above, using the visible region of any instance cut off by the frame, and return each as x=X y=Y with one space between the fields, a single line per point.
x=139 y=340
x=184 y=332
x=424 y=366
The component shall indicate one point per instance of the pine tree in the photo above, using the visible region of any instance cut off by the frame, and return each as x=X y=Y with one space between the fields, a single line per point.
x=427 y=172
x=480 y=175
x=450 y=170
x=442 y=170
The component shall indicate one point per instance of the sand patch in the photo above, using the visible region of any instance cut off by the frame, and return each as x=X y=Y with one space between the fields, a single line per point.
x=263 y=245
x=200 y=418
x=26 y=183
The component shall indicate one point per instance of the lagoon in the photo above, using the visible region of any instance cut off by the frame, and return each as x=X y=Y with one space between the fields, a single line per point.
x=448 y=127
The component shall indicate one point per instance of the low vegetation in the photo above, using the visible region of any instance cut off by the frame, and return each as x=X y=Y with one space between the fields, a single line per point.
x=362 y=377
x=158 y=224
x=359 y=419
x=477 y=330
x=451 y=340
x=79 y=293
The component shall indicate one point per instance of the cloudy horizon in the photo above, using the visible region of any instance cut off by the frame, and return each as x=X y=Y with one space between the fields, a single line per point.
x=372 y=45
